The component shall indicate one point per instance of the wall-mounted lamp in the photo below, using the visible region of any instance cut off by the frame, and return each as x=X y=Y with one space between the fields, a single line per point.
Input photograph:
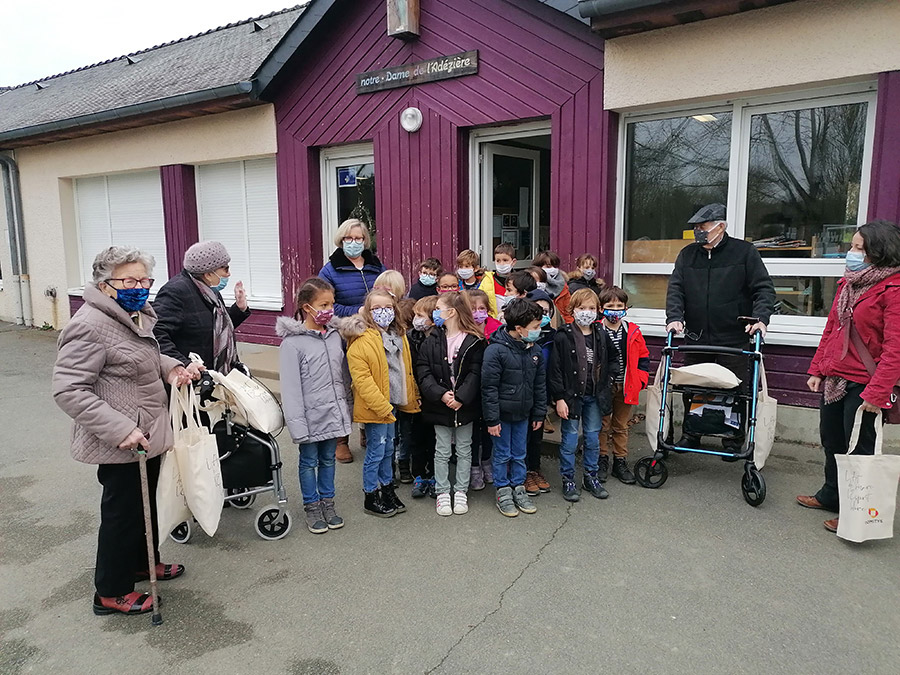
x=411 y=119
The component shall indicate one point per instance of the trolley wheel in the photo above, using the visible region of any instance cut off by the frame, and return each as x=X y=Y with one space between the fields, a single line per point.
x=272 y=523
x=650 y=472
x=241 y=502
x=753 y=485
x=182 y=532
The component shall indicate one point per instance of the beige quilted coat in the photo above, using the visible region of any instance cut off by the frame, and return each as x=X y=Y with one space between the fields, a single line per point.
x=109 y=379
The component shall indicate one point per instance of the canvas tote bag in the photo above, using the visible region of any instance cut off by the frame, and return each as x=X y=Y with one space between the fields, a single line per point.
x=255 y=401
x=867 y=485
x=710 y=375
x=766 y=418
x=651 y=414
x=197 y=454
x=171 y=504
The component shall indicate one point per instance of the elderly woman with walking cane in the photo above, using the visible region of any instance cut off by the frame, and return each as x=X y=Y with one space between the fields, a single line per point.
x=109 y=378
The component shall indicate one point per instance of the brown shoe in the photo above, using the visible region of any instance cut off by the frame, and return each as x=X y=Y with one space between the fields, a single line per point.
x=811 y=503
x=342 y=452
x=542 y=483
x=831 y=525
x=531 y=484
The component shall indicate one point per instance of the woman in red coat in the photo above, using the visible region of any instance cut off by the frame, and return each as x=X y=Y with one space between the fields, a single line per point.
x=868 y=302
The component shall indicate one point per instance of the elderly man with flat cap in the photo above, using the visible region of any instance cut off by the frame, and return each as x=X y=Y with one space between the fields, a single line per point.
x=192 y=314
x=716 y=280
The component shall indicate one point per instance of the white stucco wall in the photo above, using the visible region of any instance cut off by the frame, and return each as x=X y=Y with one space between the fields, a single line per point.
x=46 y=173
x=795 y=44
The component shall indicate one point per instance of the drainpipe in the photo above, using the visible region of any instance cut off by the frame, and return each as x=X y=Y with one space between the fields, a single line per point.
x=12 y=195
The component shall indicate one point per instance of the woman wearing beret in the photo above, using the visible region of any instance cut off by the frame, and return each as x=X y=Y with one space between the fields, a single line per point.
x=108 y=378
x=192 y=314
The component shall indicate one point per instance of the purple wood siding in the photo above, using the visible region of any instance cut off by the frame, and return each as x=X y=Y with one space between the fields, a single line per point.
x=535 y=63
x=179 y=195
x=884 y=194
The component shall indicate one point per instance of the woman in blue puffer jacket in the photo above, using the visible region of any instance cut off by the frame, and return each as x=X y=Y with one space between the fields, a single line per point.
x=352 y=268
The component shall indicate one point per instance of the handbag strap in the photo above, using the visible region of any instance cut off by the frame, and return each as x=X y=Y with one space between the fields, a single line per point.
x=864 y=355
x=857 y=425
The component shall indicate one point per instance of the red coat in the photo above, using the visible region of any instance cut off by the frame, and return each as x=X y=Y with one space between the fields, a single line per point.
x=490 y=326
x=637 y=364
x=877 y=320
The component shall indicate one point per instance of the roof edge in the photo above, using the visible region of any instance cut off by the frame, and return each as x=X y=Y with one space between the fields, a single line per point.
x=237 y=89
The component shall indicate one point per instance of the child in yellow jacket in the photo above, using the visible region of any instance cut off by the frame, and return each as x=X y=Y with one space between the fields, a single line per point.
x=381 y=369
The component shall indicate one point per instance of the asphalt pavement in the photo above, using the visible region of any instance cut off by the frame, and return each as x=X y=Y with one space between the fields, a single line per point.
x=684 y=579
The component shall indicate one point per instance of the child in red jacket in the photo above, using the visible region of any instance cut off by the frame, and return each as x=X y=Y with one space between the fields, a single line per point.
x=634 y=373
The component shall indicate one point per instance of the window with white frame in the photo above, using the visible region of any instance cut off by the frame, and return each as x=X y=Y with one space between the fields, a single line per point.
x=794 y=174
x=120 y=210
x=237 y=204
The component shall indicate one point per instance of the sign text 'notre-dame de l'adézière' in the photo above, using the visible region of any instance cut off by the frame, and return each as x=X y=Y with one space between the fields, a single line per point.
x=441 y=68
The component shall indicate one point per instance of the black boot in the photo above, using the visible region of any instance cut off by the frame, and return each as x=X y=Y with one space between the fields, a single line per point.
x=603 y=470
x=622 y=472
x=375 y=506
x=390 y=498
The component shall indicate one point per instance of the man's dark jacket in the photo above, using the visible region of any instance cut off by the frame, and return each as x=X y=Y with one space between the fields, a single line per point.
x=710 y=289
x=186 y=320
x=513 y=381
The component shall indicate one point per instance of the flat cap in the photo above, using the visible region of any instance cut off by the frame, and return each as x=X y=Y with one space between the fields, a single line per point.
x=708 y=213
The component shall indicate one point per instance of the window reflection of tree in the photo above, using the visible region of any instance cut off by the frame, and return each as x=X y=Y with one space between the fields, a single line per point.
x=805 y=168
x=674 y=167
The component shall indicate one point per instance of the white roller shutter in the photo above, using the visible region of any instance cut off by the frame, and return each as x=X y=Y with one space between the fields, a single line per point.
x=121 y=210
x=237 y=205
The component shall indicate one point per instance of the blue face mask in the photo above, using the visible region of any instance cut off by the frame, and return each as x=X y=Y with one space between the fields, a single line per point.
x=223 y=282
x=533 y=335
x=545 y=320
x=132 y=299
x=856 y=261
x=614 y=315
x=353 y=249
x=437 y=318
x=427 y=279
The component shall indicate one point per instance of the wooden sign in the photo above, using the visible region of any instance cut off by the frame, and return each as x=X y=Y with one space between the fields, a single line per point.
x=403 y=18
x=432 y=70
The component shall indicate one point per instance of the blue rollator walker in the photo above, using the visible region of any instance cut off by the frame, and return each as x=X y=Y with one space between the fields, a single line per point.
x=651 y=471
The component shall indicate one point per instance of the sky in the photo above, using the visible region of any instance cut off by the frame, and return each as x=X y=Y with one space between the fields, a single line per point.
x=45 y=37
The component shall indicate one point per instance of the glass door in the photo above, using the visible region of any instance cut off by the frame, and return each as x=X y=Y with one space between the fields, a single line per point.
x=510 y=198
x=348 y=190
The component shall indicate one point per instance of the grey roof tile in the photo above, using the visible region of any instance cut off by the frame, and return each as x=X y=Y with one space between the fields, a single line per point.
x=215 y=58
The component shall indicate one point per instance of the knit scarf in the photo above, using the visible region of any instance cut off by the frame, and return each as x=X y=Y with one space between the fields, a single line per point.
x=224 y=345
x=855 y=285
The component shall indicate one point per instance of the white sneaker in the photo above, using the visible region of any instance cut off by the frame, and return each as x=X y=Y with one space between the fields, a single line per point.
x=443 y=505
x=460 y=503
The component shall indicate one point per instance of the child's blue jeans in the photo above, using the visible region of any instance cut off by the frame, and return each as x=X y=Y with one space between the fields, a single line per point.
x=508 y=458
x=317 y=470
x=591 y=422
x=378 y=465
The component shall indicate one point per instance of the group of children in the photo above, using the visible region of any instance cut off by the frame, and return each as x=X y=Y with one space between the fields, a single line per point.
x=464 y=366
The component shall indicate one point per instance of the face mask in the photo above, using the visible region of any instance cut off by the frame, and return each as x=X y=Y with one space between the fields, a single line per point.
x=855 y=261
x=480 y=315
x=427 y=279
x=437 y=318
x=420 y=323
x=223 y=282
x=614 y=315
x=132 y=299
x=585 y=317
x=465 y=273
x=703 y=236
x=551 y=272
x=504 y=269
x=353 y=249
x=588 y=273
x=533 y=335
x=321 y=317
x=383 y=316
x=542 y=286
x=545 y=320
x=503 y=301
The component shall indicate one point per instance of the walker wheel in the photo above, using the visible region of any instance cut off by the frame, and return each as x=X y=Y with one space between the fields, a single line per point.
x=182 y=532
x=273 y=523
x=650 y=472
x=753 y=485
x=240 y=502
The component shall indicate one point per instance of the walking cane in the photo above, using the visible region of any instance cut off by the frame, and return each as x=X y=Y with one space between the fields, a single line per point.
x=156 y=618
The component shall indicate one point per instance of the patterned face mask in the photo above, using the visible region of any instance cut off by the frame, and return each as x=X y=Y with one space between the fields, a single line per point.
x=585 y=317
x=383 y=316
x=480 y=315
x=614 y=315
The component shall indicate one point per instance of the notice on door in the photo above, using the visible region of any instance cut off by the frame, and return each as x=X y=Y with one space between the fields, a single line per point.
x=432 y=70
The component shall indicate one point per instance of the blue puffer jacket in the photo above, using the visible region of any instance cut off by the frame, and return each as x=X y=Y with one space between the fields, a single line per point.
x=513 y=381
x=350 y=284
